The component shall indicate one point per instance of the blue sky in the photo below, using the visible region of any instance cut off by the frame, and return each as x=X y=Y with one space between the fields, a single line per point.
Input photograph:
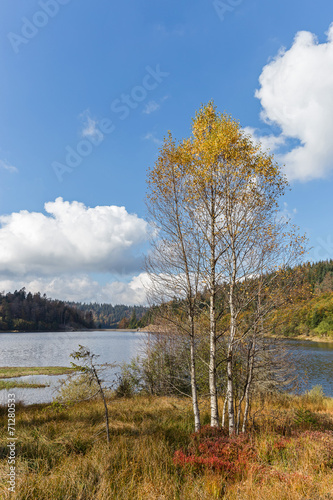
x=108 y=80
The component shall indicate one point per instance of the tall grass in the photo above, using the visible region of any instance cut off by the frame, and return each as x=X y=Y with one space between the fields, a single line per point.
x=7 y=385
x=62 y=452
x=13 y=371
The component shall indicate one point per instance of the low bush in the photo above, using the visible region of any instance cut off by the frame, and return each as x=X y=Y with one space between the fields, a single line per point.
x=213 y=449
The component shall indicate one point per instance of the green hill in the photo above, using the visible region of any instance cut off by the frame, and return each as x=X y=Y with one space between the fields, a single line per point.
x=307 y=312
x=312 y=313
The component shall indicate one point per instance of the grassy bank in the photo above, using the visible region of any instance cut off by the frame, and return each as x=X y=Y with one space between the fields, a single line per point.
x=14 y=371
x=6 y=384
x=62 y=453
x=317 y=340
x=323 y=339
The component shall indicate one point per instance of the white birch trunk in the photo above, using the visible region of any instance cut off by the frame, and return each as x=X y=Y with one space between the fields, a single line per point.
x=247 y=392
x=195 y=404
x=230 y=390
x=214 y=411
x=224 y=411
x=230 y=387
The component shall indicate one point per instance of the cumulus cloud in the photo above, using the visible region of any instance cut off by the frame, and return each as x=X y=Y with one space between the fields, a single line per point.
x=82 y=288
x=71 y=238
x=296 y=94
x=268 y=142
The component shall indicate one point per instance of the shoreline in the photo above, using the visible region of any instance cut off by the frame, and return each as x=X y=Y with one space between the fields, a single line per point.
x=155 y=330
x=78 y=330
x=323 y=340
x=327 y=340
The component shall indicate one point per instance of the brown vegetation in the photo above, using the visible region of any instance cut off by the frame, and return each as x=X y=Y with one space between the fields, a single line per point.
x=62 y=453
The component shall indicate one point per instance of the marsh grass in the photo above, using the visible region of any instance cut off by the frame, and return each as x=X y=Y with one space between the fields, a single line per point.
x=14 y=371
x=11 y=384
x=62 y=452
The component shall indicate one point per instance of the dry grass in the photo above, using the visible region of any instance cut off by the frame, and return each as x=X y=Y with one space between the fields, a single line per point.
x=14 y=371
x=4 y=384
x=62 y=453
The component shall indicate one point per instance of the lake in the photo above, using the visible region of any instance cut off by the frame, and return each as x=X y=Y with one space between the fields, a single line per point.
x=314 y=363
x=54 y=349
x=315 y=359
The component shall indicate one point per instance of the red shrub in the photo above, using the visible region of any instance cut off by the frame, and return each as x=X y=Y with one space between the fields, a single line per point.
x=212 y=448
x=236 y=455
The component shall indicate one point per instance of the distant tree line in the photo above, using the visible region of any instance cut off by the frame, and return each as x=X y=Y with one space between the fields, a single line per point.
x=118 y=316
x=310 y=313
x=307 y=311
x=24 y=311
x=320 y=276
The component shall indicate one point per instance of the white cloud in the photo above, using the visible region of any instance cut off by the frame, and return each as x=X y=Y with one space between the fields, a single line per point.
x=151 y=137
x=90 y=126
x=153 y=105
x=83 y=288
x=71 y=238
x=296 y=93
x=268 y=142
x=286 y=214
x=150 y=107
x=7 y=166
x=132 y=293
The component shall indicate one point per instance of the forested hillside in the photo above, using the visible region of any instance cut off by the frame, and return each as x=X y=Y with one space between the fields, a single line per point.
x=109 y=316
x=24 y=311
x=308 y=311
x=32 y=312
x=320 y=276
x=311 y=313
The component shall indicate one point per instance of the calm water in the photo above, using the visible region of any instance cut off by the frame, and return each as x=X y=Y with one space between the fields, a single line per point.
x=314 y=359
x=314 y=363
x=54 y=349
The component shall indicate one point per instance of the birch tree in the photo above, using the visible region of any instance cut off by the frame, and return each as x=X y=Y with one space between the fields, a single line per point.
x=220 y=195
x=235 y=189
x=174 y=261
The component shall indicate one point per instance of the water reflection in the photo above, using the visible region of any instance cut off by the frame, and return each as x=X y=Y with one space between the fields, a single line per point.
x=37 y=395
x=314 y=363
x=314 y=360
x=54 y=349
